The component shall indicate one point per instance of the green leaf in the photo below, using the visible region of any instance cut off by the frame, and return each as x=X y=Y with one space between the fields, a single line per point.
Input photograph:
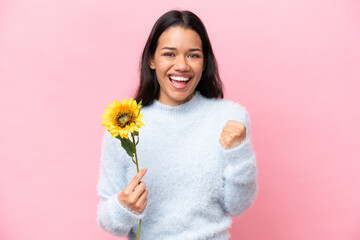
x=127 y=145
x=140 y=103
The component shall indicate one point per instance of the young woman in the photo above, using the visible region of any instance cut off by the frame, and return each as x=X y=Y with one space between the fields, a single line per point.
x=196 y=147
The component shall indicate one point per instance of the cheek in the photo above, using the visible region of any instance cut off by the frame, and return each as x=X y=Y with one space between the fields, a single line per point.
x=160 y=71
x=198 y=70
x=163 y=65
x=198 y=67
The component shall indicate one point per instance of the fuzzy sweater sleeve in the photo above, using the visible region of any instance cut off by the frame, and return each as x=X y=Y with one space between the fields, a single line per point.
x=239 y=177
x=111 y=215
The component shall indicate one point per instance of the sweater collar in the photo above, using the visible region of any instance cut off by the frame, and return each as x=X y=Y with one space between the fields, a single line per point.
x=182 y=109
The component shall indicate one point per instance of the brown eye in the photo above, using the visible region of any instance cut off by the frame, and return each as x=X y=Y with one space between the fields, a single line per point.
x=168 y=54
x=194 y=56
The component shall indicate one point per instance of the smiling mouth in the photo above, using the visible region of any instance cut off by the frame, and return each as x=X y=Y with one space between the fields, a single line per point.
x=179 y=79
x=179 y=82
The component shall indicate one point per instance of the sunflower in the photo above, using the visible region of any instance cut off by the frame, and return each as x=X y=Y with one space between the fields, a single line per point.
x=123 y=117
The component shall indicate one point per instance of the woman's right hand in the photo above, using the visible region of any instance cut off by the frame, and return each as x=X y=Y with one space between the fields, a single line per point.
x=135 y=199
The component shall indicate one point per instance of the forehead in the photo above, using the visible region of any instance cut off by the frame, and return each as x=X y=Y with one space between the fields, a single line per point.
x=180 y=38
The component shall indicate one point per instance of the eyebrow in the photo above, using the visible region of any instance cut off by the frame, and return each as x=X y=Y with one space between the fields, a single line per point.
x=173 y=49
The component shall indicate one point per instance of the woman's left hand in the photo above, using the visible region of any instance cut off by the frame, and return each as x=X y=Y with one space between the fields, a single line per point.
x=233 y=133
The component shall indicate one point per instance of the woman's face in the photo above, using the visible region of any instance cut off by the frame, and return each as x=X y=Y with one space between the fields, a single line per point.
x=179 y=63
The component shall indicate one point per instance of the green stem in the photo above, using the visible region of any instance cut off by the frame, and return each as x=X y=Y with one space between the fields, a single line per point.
x=137 y=164
x=137 y=168
x=137 y=141
x=138 y=236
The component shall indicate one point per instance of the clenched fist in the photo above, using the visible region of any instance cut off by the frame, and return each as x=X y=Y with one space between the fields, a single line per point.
x=232 y=134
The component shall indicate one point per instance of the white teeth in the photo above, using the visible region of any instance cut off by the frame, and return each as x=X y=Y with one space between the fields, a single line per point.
x=179 y=78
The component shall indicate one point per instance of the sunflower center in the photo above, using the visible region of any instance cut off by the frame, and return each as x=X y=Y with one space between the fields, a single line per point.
x=125 y=119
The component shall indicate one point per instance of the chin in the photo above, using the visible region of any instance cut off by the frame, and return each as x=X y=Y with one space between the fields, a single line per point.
x=180 y=96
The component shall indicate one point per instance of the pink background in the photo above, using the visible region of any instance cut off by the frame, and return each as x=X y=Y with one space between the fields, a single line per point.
x=295 y=65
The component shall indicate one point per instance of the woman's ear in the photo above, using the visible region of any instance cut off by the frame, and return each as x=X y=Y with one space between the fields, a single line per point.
x=151 y=63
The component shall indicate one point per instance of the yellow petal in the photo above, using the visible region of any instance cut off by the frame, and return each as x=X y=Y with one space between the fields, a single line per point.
x=134 y=105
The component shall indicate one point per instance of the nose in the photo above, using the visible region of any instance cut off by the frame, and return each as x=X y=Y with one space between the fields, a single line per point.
x=181 y=64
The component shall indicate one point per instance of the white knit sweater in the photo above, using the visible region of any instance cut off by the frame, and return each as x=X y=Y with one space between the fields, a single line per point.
x=194 y=183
